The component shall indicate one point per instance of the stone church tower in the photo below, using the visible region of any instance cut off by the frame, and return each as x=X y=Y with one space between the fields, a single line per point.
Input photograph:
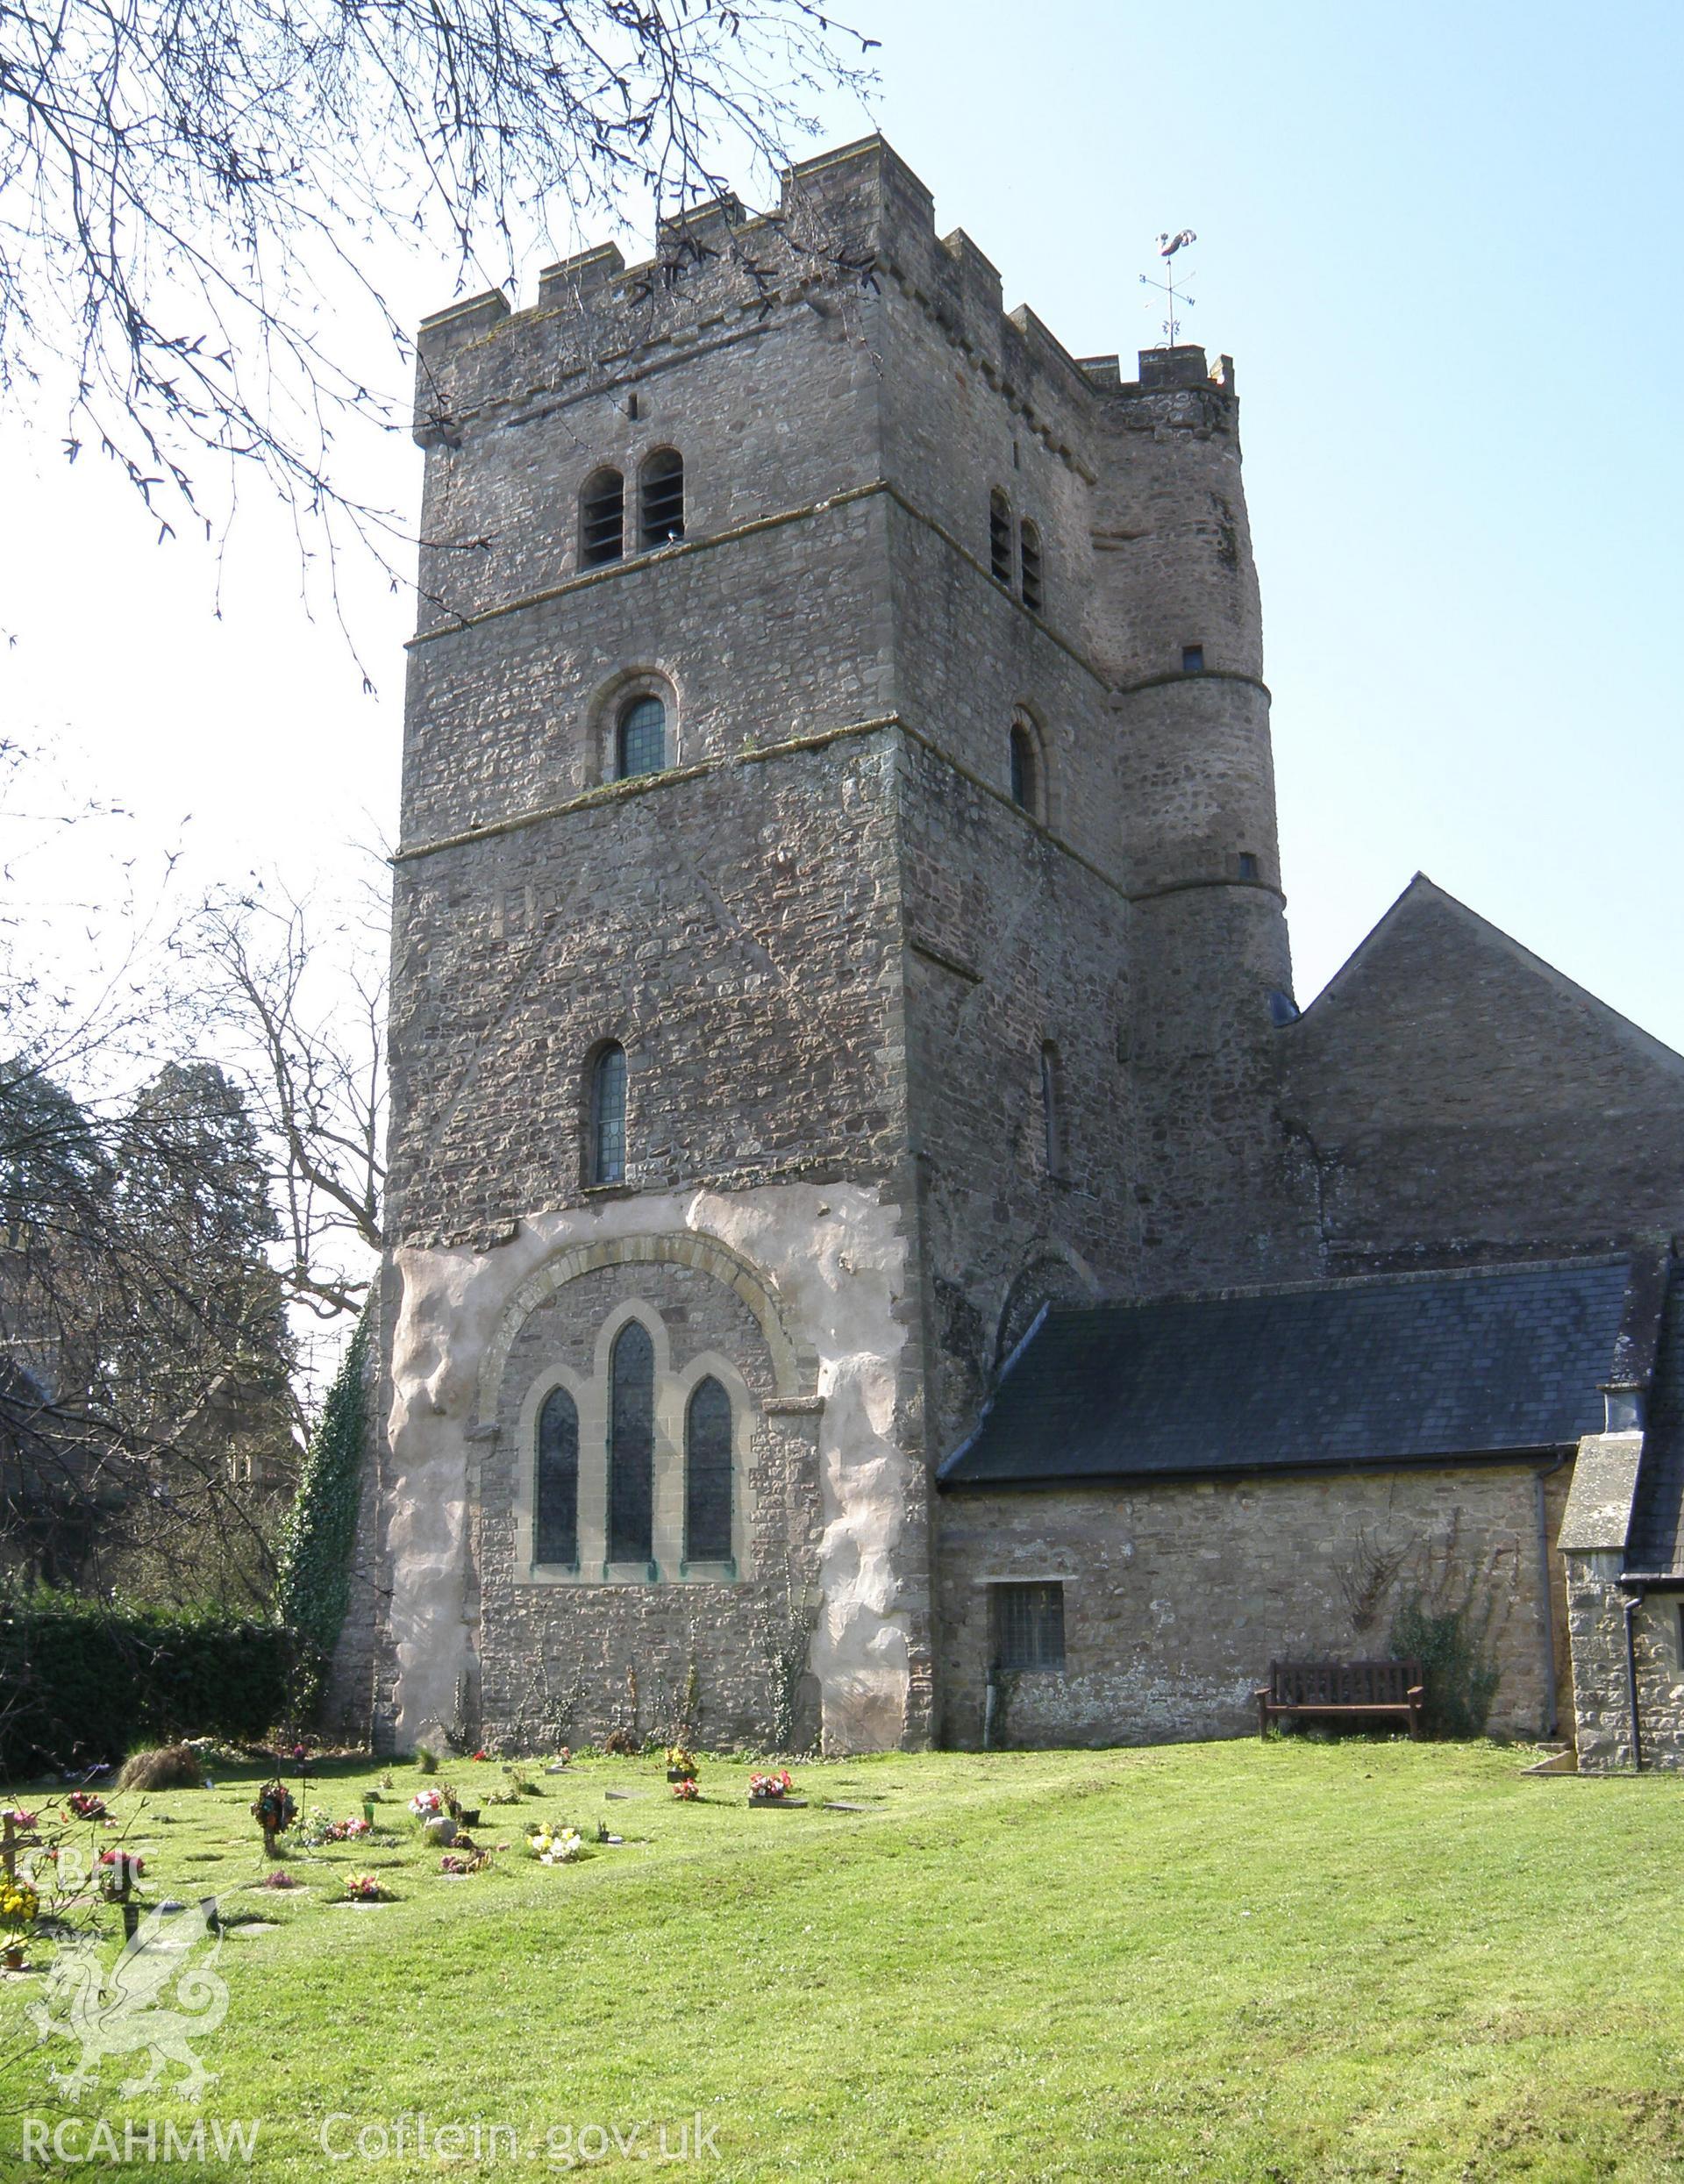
x=838 y=911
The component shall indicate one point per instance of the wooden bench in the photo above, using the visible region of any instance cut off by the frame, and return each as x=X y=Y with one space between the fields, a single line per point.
x=1361 y=1691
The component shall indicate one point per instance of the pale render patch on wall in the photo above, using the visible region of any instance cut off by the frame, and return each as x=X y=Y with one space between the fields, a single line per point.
x=832 y=1258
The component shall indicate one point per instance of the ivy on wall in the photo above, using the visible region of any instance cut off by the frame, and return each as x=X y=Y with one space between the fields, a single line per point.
x=313 y=1590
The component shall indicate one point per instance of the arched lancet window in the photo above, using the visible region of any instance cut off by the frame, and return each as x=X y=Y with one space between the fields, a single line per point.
x=602 y=519
x=631 y=1445
x=1029 y=555
x=661 y=498
x=1052 y=1105
x=605 y=1161
x=555 y=1499
x=1000 y=538
x=1025 y=769
x=640 y=740
x=707 y=1474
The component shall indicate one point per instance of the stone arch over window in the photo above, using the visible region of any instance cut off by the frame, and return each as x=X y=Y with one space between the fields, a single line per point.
x=606 y=1080
x=660 y=497
x=1000 y=538
x=795 y=1366
x=601 y=518
x=1031 y=580
x=606 y=720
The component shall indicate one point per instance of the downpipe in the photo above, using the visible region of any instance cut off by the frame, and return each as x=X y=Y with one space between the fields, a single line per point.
x=1632 y=1602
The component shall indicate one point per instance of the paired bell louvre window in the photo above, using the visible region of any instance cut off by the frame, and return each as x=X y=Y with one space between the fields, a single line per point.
x=631 y=1446
x=640 y=740
x=602 y=519
x=556 y=1502
x=661 y=496
x=707 y=1474
x=1029 y=1627
x=606 y=1153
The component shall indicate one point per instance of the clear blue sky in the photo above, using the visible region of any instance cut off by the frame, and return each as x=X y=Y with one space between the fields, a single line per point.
x=1440 y=244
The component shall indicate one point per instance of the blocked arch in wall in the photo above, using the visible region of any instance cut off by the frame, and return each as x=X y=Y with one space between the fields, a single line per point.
x=795 y=1367
x=1053 y=1274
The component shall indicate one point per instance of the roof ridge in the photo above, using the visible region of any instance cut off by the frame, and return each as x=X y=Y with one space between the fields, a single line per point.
x=1336 y=1284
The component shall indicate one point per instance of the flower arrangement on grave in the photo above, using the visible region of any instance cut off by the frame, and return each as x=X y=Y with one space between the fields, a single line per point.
x=555 y=1846
x=319 y=1829
x=119 y=1871
x=767 y=1789
x=84 y=1805
x=427 y=1804
x=365 y=1888
x=681 y=1763
x=686 y=1789
x=473 y=1860
x=279 y=1879
x=19 y=1904
x=275 y=1809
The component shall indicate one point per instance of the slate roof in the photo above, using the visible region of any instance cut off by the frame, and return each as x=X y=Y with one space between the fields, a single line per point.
x=1393 y=1369
x=1655 y=1544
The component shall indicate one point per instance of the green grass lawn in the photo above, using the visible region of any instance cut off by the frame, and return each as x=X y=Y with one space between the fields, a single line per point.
x=1279 y=1960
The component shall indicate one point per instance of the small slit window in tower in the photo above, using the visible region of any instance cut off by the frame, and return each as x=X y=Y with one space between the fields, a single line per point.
x=1000 y=539
x=1192 y=659
x=606 y=1163
x=1247 y=864
x=1029 y=1627
x=661 y=489
x=642 y=738
x=556 y=1530
x=1029 y=550
x=631 y=1445
x=1025 y=785
x=1051 y=1101
x=707 y=1474
x=602 y=519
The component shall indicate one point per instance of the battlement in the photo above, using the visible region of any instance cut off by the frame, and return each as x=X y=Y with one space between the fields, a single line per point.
x=850 y=221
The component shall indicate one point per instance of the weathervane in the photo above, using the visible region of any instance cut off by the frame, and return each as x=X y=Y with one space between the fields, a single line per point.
x=1167 y=246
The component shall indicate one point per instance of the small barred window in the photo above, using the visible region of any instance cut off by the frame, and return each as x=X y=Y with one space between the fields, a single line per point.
x=1029 y=1627
x=602 y=519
